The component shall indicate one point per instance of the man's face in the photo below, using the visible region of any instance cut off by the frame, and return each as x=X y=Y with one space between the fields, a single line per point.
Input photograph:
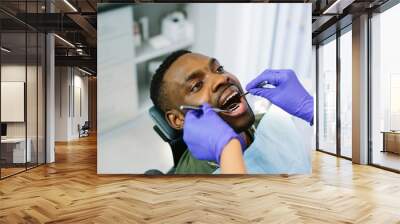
x=195 y=79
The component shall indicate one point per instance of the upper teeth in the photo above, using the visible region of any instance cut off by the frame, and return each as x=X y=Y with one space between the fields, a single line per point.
x=229 y=97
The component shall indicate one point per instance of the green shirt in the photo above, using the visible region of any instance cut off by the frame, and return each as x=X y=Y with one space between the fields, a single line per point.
x=189 y=165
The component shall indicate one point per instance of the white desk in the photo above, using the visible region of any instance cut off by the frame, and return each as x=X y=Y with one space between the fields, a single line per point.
x=19 y=149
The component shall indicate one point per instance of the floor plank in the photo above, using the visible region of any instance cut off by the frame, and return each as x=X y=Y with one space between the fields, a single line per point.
x=70 y=191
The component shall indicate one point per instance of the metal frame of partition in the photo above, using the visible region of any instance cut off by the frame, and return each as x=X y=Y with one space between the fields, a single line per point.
x=0 y=94
x=43 y=53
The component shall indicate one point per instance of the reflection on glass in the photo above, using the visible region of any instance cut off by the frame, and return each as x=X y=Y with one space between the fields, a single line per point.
x=327 y=96
x=31 y=101
x=345 y=94
x=14 y=153
x=41 y=98
x=386 y=89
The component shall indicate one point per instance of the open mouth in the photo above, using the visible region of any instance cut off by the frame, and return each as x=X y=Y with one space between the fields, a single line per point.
x=231 y=101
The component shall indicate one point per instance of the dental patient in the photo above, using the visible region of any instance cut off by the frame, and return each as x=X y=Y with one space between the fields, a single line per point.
x=220 y=134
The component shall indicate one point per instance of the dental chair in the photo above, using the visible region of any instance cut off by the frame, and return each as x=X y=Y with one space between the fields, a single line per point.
x=169 y=135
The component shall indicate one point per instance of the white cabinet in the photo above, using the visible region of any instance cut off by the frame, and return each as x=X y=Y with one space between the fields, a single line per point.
x=19 y=155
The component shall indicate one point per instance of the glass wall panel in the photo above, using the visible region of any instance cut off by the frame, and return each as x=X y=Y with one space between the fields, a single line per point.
x=31 y=100
x=13 y=91
x=31 y=88
x=22 y=101
x=41 y=98
x=385 y=84
x=327 y=96
x=346 y=94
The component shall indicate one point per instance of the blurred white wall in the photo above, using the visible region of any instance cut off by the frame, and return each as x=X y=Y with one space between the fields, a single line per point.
x=203 y=17
x=70 y=95
x=250 y=38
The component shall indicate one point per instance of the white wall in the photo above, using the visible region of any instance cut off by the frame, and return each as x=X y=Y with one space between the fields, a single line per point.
x=81 y=82
x=61 y=103
x=250 y=38
x=67 y=81
x=203 y=17
x=118 y=149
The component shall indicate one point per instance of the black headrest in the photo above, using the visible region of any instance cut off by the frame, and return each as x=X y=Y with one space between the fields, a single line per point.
x=158 y=117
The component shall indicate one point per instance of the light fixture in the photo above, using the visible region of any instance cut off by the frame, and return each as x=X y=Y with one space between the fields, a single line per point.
x=84 y=71
x=5 y=50
x=64 y=40
x=70 y=5
x=79 y=51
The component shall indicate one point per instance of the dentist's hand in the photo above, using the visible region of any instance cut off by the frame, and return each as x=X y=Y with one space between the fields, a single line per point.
x=206 y=134
x=289 y=94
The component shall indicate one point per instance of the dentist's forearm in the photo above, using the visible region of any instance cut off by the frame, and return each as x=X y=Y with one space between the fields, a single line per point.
x=232 y=158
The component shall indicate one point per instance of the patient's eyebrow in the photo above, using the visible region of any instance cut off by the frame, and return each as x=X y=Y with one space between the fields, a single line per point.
x=198 y=73
x=211 y=62
x=194 y=75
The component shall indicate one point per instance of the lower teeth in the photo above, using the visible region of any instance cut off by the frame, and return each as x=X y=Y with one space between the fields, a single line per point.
x=233 y=107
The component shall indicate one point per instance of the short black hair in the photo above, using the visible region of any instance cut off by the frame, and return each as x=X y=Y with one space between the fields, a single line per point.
x=157 y=88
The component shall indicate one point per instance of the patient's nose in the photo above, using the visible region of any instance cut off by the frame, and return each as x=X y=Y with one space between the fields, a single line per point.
x=219 y=81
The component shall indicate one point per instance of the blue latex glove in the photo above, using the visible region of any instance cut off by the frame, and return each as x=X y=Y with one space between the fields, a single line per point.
x=206 y=134
x=289 y=94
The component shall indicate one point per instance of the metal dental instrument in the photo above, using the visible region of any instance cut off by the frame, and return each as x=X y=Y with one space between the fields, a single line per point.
x=264 y=84
x=187 y=107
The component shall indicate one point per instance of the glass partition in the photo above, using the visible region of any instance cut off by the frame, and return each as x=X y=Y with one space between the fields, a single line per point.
x=385 y=89
x=41 y=91
x=346 y=94
x=31 y=100
x=14 y=153
x=327 y=96
x=22 y=101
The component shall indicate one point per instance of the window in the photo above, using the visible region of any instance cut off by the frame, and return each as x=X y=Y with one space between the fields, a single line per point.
x=346 y=94
x=327 y=97
x=385 y=89
x=22 y=101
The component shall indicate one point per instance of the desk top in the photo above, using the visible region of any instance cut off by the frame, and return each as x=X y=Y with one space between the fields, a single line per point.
x=391 y=132
x=13 y=140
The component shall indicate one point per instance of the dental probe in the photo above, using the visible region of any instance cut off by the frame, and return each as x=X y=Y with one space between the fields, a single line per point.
x=187 y=107
x=265 y=85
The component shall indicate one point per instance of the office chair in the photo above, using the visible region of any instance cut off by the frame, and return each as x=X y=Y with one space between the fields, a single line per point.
x=169 y=135
x=84 y=130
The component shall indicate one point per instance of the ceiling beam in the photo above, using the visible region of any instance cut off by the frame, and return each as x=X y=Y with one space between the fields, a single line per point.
x=337 y=6
x=84 y=61
x=84 y=24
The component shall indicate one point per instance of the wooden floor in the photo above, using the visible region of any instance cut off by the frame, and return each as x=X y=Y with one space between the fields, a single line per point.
x=5 y=172
x=387 y=159
x=70 y=191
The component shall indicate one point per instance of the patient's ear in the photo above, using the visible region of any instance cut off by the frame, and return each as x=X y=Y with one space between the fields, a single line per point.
x=175 y=119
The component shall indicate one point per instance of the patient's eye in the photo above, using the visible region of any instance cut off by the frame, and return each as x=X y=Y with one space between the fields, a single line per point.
x=220 y=69
x=196 y=87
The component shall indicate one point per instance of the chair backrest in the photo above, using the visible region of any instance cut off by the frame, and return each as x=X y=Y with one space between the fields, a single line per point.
x=158 y=117
x=168 y=134
x=86 y=125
